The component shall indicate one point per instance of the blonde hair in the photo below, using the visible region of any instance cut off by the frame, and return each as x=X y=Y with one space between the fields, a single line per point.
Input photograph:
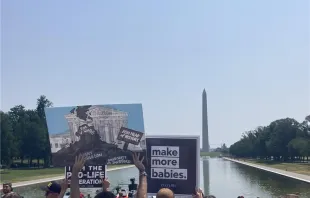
x=165 y=193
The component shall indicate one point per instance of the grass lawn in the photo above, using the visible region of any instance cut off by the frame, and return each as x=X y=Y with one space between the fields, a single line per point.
x=301 y=168
x=15 y=175
x=211 y=154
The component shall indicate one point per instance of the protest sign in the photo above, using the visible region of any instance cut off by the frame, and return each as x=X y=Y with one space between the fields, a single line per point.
x=173 y=163
x=129 y=136
x=93 y=130
x=89 y=177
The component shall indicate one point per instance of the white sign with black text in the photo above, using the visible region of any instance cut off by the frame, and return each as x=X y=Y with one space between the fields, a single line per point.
x=89 y=177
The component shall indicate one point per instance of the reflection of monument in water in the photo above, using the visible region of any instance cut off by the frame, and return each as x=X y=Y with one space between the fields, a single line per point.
x=206 y=177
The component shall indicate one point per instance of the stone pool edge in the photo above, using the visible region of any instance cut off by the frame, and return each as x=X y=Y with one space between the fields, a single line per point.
x=300 y=177
x=38 y=181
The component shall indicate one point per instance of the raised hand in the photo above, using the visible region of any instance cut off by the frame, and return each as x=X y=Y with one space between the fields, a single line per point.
x=138 y=163
x=64 y=185
x=199 y=193
x=79 y=163
x=105 y=184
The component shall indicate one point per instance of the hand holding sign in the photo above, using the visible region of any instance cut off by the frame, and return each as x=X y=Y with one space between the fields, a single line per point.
x=64 y=185
x=138 y=163
x=105 y=184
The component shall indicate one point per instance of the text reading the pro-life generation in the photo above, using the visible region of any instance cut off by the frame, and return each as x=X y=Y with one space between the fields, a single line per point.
x=165 y=163
x=89 y=176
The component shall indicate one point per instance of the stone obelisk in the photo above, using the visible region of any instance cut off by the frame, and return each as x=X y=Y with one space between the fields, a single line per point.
x=205 y=133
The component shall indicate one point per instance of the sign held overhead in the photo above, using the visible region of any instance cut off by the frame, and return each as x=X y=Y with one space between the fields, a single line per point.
x=174 y=164
x=89 y=177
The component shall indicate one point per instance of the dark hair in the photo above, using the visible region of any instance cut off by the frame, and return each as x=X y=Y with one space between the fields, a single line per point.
x=105 y=195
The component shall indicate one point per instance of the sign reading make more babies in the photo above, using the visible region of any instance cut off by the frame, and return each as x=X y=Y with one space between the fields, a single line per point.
x=173 y=163
x=89 y=177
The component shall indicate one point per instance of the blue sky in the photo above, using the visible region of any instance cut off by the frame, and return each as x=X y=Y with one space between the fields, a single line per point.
x=251 y=56
x=57 y=123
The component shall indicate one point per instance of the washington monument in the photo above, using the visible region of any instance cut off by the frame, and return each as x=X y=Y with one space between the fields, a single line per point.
x=205 y=133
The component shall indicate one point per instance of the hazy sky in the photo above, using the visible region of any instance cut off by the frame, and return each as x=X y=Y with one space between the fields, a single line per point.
x=251 y=56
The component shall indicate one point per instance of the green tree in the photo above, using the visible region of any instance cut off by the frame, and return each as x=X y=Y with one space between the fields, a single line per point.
x=34 y=137
x=7 y=144
x=18 y=122
x=281 y=140
x=224 y=149
x=42 y=103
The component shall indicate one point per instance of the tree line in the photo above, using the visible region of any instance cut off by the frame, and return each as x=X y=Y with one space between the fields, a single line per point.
x=24 y=135
x=282 y=140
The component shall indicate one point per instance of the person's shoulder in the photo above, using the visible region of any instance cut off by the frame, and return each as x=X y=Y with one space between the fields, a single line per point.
x=105 y=195
x=12 y=195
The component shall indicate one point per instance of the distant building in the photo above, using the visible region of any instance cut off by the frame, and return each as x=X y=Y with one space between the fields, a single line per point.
x=107 y=121
x=59 y=141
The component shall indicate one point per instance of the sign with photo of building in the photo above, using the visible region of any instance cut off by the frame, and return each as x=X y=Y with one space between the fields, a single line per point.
x=93 y=130
x=173 y=163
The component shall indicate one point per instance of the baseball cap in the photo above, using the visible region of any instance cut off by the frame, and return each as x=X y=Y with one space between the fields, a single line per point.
x=52 y=187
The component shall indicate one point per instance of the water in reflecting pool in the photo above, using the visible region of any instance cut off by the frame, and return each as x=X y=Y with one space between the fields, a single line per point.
x=221 y=178
x=228 y=179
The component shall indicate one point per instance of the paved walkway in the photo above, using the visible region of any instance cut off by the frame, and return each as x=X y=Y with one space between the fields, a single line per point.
x=301 y=177
x=45 y=180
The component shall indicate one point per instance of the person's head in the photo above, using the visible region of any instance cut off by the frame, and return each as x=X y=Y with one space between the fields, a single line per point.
x=165 y=193
x=209 y=196
x=52 y=190
x=7 y=188
x=105 y=194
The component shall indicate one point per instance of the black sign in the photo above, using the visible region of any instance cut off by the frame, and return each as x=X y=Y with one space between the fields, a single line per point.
x=129 y=136
x=89 y=177
x=173 y=163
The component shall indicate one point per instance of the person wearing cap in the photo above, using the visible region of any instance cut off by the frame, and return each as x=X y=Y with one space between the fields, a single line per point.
x=52 y=190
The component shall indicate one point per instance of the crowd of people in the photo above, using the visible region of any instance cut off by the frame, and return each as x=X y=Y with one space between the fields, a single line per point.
x=55 y=190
